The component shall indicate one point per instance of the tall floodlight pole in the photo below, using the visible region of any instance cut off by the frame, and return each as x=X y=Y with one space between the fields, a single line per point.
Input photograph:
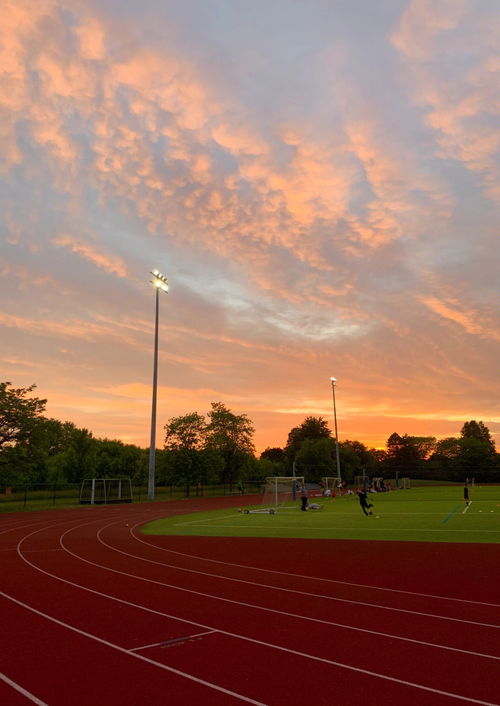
x=339 y=477
x=159 y=282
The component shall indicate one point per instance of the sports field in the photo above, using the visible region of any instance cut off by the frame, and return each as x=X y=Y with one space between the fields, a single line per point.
x=94 y=612
x=428 y=514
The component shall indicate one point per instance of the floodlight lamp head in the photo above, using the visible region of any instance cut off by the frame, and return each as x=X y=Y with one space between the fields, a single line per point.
x=159 y=281
x=334 y=380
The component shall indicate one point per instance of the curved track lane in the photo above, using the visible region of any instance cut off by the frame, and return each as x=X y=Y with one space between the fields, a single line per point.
x=96 y=613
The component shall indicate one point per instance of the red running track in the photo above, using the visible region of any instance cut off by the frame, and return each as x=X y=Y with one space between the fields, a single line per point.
x=95 y=614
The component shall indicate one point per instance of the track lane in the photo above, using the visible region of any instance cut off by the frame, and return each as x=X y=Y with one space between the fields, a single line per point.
x=316 y=638
x=47 y=551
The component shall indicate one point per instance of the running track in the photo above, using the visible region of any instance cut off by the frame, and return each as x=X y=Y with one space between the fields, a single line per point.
x=93 y=613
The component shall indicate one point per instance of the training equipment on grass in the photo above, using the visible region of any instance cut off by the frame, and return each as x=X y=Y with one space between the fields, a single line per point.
x=103 y=491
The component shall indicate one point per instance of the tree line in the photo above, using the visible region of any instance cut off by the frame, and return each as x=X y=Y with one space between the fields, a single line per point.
x=218 y=448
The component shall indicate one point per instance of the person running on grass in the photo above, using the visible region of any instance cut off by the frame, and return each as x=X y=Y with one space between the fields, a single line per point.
x=363 y=501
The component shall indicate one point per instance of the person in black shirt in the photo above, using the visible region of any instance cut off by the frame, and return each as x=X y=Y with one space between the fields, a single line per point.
x=363 y=501
x=466 y=494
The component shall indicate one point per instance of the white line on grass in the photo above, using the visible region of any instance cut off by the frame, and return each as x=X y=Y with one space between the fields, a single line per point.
x=350 y=529
x=466 y=508
x=22 y=690
x=207 y=519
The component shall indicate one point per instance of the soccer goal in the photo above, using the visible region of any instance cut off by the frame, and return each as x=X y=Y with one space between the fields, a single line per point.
x=279 y=492
x=362 y=482
x=331 y=483
x=103 y=491
x=404 y=484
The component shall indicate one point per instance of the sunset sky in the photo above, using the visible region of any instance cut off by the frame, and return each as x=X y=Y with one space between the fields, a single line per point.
x=318 y=181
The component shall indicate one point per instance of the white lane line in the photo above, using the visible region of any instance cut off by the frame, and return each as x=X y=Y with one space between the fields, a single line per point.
x=245 y=638
x=466 y=507
x=241 y=603
x=258 y=642
x=302 y=576
x=133 y=654
x=263 y=585
x=22 y=690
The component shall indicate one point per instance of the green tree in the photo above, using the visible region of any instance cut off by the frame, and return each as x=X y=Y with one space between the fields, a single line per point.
x=231 y=436
x=187 y=432
x=271 y=463
x=80 y=456
x=407 y=454
x=191 y=467
x=311 y=428
x=314 y=459
x=275 y=454
x=479 y=431
x=356 y=460
x=18 y=413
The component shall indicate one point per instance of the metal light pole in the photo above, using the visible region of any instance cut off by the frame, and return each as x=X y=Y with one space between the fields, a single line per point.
x=160 y=284
x=339 y=477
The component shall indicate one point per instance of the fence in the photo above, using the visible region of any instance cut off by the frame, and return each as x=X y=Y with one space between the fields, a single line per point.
x=43 y=496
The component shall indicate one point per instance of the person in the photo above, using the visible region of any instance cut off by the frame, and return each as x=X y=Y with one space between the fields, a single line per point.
x=303 y=496
x=363 y=501
x=466 y=493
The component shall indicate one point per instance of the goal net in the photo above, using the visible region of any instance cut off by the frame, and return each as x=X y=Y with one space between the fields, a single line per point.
x=362 y=482
x=102 y=491
x=331 y=483
x=404 y=484
x=279 y=492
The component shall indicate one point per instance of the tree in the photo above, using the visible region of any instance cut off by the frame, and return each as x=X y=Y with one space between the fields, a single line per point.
x=271 y=463
x=314 y=459
x=311 y=428
x=18 y=413
x=187 y=432
x=407 y=454
x=356 y=460
x=231 y=436
x=275 y=454
x=479 y=431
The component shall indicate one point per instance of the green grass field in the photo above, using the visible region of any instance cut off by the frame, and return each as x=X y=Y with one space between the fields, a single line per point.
x=429 y=514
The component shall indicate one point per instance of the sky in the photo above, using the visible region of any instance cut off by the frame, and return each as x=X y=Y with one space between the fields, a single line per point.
x=318 y=181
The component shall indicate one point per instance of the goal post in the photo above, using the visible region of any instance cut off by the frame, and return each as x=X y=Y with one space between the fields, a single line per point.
x=104 y=491
x=330 y=483
x=362 y=482
x=404 y=484
x=280 y=490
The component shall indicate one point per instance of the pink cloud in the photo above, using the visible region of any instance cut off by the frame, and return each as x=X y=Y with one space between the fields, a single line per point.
x=469 y=319
x=105 y=261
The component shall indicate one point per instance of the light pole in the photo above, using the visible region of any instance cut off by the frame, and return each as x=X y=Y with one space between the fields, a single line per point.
x=159 y=282
x=339 y=477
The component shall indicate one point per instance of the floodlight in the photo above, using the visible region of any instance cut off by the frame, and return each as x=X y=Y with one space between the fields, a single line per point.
x=160 y=283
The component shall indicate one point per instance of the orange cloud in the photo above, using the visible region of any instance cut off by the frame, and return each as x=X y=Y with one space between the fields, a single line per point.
x=467 y=318
x=105 y=261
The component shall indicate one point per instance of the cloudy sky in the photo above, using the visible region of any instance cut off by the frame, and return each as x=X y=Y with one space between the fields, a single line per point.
x=318 y=180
